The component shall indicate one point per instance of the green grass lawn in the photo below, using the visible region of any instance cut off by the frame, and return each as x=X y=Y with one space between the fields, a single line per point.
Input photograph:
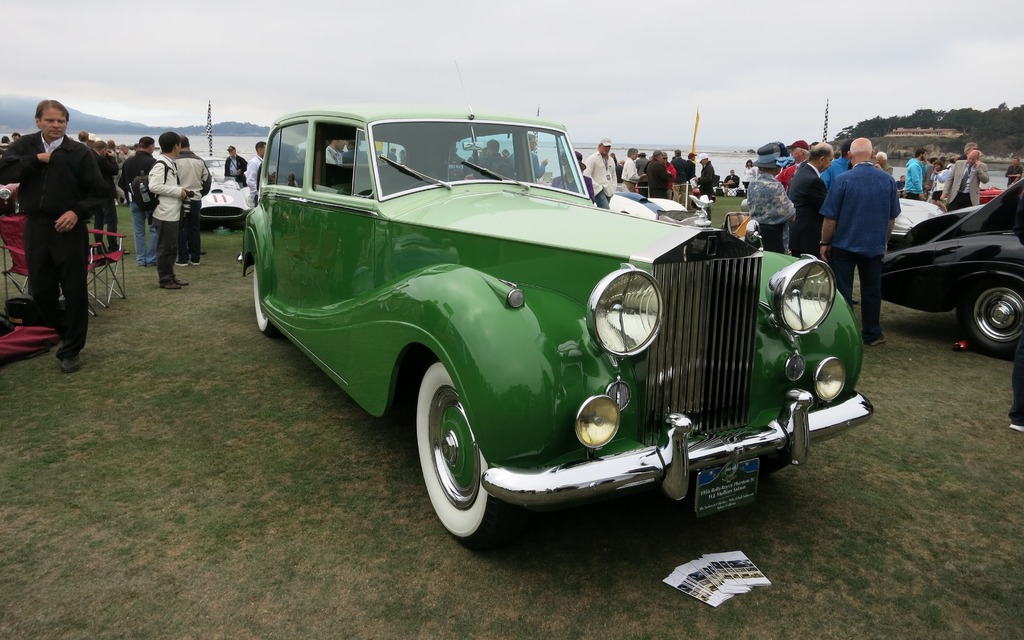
x=198 y=480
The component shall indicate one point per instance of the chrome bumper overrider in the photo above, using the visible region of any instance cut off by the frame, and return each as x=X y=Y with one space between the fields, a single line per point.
x=791 y=434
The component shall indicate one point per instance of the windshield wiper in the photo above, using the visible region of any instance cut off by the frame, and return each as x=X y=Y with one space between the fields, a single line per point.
x=409 y=171
x=493 y=174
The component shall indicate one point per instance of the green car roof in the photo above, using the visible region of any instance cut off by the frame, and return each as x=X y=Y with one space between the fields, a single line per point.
x=376 y=112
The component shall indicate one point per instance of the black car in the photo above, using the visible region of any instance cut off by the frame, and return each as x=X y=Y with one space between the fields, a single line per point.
x=969 y=260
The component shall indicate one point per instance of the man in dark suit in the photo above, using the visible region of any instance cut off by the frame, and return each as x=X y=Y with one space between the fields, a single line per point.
x=807 y=191
x=234 y=167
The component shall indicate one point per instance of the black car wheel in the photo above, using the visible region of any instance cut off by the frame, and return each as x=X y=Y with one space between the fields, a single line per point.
x=991 y=314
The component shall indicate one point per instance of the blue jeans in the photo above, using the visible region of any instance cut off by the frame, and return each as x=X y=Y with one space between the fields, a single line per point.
x=1017 y=381
x=143 y=255
x=188 y=237
x=600 y=199
x=870 y=270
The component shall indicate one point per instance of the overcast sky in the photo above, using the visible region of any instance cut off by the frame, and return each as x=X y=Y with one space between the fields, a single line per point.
x=633 y=71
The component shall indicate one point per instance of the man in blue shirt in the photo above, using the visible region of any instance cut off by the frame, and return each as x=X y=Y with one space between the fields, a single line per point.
x=859 y=212
x=839 y=165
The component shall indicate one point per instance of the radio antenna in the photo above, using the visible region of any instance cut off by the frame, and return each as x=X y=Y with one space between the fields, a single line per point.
x=464 y=93
x=538 y=109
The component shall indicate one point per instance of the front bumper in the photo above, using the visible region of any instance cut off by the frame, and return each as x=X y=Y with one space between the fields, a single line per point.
x=670 y=465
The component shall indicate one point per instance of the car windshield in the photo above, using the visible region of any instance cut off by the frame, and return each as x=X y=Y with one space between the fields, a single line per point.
x=446 y=152
x=996 y=216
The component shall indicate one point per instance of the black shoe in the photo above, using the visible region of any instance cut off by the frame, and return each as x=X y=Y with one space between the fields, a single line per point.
x=170 y=284
x=202 y=253
x=181 y=283
x=70 y=365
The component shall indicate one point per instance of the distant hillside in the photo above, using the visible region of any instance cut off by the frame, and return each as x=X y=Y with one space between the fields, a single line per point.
x=16 y=114
x=999 y=132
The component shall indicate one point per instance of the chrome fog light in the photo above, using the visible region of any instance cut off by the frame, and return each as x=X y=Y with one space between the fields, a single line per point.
x=624 y=311
x=802 y=294
x=597 y=421
x=830 y=378
x=795 y=367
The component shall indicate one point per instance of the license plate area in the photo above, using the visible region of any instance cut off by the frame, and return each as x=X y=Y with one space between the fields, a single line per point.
x=731 y=485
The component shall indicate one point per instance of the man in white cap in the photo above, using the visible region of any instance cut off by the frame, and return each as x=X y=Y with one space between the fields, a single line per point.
x=706 y=179
x=601 y=169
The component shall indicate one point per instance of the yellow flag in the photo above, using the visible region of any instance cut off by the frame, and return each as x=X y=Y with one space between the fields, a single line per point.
x=696 y=123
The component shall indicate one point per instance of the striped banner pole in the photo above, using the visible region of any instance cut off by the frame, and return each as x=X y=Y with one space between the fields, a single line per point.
x=209 y=125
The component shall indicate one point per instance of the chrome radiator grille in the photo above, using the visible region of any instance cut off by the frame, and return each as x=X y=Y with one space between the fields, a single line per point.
x=700 y=363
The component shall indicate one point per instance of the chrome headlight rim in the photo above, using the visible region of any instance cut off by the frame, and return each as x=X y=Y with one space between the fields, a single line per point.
x=585 y=419
x=5 y=193
x=597 y=295
x=783 y=282
x=822 y=371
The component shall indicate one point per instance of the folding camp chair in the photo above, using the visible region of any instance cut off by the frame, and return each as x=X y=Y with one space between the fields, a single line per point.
x=95 y=265
x=111 y=273
x=12 y=235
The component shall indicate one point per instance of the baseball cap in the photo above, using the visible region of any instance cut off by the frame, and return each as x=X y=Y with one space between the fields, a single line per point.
x=800 y=144
x=605 y=142
x=703 y=156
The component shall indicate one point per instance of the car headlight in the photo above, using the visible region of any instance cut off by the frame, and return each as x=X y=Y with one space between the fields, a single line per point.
x=830 y=378
x=5 y=193
x=802 y=294
x=624 y=312
x=597 y=421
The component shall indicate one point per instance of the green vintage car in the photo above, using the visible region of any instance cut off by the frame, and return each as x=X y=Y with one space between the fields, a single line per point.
x=555 y=352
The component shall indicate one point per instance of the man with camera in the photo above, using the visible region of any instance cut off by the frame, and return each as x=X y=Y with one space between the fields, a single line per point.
x=163 y=182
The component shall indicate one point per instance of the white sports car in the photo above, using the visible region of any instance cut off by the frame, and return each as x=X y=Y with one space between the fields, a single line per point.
x=912 y=212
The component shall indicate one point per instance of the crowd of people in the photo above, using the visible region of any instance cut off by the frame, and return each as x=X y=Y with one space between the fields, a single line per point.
x=655 y=177
x=69 y=187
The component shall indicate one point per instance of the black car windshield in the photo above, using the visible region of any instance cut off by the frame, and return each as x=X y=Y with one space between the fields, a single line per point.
x=996 y=216
x=448 y=150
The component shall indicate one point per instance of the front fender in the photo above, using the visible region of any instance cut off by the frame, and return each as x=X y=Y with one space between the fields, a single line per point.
x=521 y=372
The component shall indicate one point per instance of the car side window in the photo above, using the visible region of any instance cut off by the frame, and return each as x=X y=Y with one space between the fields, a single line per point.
x=362 y=184
x=334 y=158
x=286 y=159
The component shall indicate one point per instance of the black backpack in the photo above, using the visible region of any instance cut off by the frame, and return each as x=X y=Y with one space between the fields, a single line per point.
x=141 y=195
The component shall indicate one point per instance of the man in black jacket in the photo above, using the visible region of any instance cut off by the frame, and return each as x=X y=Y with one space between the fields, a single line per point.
x=137 y=165
x=807 y=191
x=106 y=215
x=706 y=181
x=60 y=187
x=235 y=166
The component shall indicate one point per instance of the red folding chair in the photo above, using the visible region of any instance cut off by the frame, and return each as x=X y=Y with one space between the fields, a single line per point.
x=12 y=235
x=111 y=273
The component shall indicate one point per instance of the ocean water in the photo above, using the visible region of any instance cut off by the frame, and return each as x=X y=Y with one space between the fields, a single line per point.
x=722 y=158
x=246 y=145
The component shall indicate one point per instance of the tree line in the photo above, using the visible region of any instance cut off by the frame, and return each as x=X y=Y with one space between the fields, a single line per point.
x=999 y=131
